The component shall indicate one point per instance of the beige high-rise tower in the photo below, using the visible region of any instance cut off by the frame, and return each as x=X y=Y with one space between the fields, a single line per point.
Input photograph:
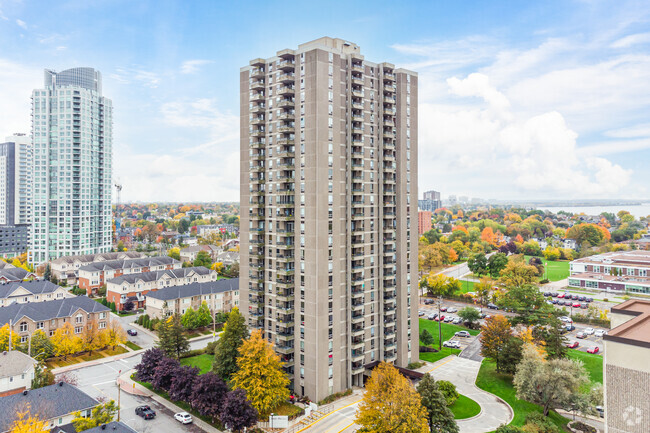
x=329 y=212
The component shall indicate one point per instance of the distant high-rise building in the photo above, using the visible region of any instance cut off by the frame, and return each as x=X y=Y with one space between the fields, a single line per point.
x=328 y=212
x=15 y=180
x=431 y=201
x=72 y=131
x=424 y=221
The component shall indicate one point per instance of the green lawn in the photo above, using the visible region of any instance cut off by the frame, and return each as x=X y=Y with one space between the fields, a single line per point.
x=465 y=407
x=592 y=362
x=448 y=331
x=555 y=270
x=501 y=385
x=203 y=362
x=466 y=286
x=131 y=345
x=437 y=356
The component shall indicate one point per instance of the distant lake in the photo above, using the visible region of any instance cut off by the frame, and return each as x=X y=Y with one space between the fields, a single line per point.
x=641 y=210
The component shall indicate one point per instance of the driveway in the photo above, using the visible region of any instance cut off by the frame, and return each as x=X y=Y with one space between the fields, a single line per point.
x=143 y=339
x=462 y=373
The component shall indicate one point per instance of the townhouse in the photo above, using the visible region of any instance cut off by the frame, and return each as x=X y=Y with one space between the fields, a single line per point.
x=31 y=291
x=65 y=268
x=134 y=287
x=16 y=372
x=48 y=316
x=10 y=275
x=220 y=296
x=55 y=404
x=94 y=275
x=620 y=271
x=188 y=254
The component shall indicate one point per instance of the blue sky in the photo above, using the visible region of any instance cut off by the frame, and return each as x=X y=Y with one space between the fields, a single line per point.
x=517 y=99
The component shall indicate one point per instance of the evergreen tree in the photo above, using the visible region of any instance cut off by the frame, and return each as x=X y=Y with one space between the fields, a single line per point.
x=171 y=337
x=227 y=348
x=203 y=315
x=441 y=419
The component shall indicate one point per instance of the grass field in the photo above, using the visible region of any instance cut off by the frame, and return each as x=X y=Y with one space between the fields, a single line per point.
x=465 y=407
x=75 y=359
x=466 y=286
x=203 y=362
x=131 y=345
x=448 y=331
x=592 y=362
x=501 y=385
x=555 y=270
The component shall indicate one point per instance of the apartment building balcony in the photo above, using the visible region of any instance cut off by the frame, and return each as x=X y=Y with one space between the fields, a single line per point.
x=357 y=354
x=287 y=127
x=257 y=72
x=284 y=349
x=389 y=168
x=285 y=295
x=358 y=93
x=358 y=117
x=258 y=120
x=285 y=271
x=257 y=240
x=389 y=180
x=285 y=336
x=389 y=293
x=257 y=96
x=285 y=244
x=358 y=367
x=257 y=85
x=390 y=345
x=357 y=162
x=286 y=90
x=287 y=78
x=258 y=108
x=388 y=134
x=390 y=110
x=389 y=331
x=389 y=191
x=258 y=133
x=285 y=322
x=390 y=356
x=357 y=292
x=357 y=342
x=357 y=67
x=357 y=105
x=357 y=317
x=288 y=102
x=287 y=152
x=286 y=141
x=287 y=115
x=390 y=88
x=358 y=80
x=287 y=65
x=388 y=122
x=256 y=312
x=357 y=228
x=357 y=239
x=389 y=156
x=287 y=216
x=286 y=174
x=357 y=215
x=389 y=76
x=359 y=131
x=389 y=100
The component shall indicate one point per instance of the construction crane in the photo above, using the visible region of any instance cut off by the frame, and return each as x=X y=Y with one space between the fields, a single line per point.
x=118 y=219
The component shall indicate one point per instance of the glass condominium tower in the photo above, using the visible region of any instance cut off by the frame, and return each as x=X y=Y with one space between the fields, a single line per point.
x=329 y=212
x=72 y=132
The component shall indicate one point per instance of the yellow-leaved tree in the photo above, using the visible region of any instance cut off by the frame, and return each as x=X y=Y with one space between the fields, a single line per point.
x=92 y=337
x=65 y=341
x=260 y=374
x=114 y=334
x=4 y=338
x=25 y=422
x=391 y=404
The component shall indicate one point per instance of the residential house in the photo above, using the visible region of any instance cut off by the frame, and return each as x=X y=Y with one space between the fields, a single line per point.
x=5 y=265
x=65 y=268
x=232 y=243
x=12 y=275
x=228 y=258
x=48 y=316
x=95 y=275
x=220 y=296
x=204 y=230
x=112 y=427
x=570 y=244
x=134 y=287
x=188 y=254
x=30 y=291
x=643 y=243
x=16 y=372
x=55 y=404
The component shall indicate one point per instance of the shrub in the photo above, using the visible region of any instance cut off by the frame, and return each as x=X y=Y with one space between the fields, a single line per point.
x=191 y=353
x=508 y=429
x=335 y=396
x=210 y=348
x=448 y=389
x=415 y=365
x=424 y=349
x=538 y=423
x=544 y=281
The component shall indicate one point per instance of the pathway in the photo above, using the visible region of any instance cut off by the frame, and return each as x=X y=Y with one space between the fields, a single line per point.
x=462 y=373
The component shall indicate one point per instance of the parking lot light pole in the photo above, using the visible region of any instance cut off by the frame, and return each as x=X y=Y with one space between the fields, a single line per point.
x=439 y=324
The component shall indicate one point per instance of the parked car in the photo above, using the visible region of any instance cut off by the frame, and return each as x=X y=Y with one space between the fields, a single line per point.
x=566 y=319
x=553 y=301
x=420 y=313
x=581 y=335
x=145 y=412
x=554 y=294
x=462 y=334
x=449 y=319
x=452 y=310
x=547 y=294
x=589 y=331
x=576 y=305
x=572 y=344
x=492 y=306
x=457 y=321
x=599 y=333
x=440 y=319
x=574 y=297
x=432 y=316
x=570 y=327
x=601 y=411
x=443 y=309
x=590 y=299
x=183 y=417
x=561 y=295
x=581 y=298
x=132 y=332
x=594 y=349
x=454 y=344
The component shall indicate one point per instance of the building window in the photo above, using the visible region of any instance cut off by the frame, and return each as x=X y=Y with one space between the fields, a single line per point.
x=79 y=318
x=78 y=329
x=23 y=326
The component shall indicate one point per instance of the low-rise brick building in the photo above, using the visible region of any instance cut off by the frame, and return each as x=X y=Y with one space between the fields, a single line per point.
x=31 y=291
x=134 y=287
x=48 y=316
x=220 y=296
x=95 y=275
x=65 y=268
x=621 y=271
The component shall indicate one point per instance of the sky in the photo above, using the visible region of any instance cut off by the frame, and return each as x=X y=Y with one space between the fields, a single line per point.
x=518 y=99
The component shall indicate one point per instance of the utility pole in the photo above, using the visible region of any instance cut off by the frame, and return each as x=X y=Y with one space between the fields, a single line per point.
x=439 y=324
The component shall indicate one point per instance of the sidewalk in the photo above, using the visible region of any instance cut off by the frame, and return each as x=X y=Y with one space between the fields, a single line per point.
x=97 y=361
x=131 y=387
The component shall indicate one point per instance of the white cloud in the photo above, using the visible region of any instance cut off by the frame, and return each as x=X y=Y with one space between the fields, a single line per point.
x=627 y=41
x=193 y=66
x=136 y=75
x=21 y=23
x=16 y=84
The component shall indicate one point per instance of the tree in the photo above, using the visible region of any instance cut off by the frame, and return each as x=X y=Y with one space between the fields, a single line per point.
x=164 y=373
x=43 y=376
x=259 y=373
x=41 y=346
x=175 y=253
x=203 y=315
x=553 y=338
x=227 y=348
x=208 y=395
x=203 y=259
x=528 y=303
x=150 y=360
x=92 y=337
x=100 y=415
x=441 y=419
x=114 y=334
x=470 y=315
x=189 y=319
x=496 y=263
x=172 y=338
x=448 y=389
x=510 y=355
x=69 y=377
x=477 y=263
x=496 y=332
x=426 y=338
x=25 y=422
x=483 y=289
x=182 y=384
x=551 y=384
x=65 y=341
x=390 y=404
x=434 y=284
x=237 y=412
x=4 y=338
x=48 y=272
x=517 y=273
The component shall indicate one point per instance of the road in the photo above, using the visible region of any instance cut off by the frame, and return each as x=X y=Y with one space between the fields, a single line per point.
x=143 y=339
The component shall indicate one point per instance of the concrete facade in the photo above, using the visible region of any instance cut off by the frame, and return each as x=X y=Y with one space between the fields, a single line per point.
x=328 y=207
